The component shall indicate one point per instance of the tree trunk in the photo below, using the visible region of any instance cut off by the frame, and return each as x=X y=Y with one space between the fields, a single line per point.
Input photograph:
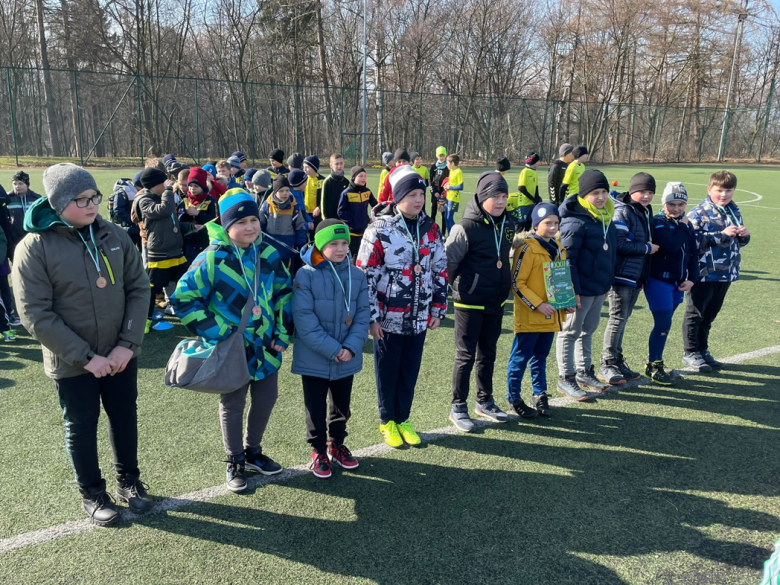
x=324 y=68
x=48 y=89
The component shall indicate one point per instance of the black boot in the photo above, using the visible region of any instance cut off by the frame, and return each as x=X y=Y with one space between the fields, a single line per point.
x=99 y=505
x=132 y=490
x=522 y=410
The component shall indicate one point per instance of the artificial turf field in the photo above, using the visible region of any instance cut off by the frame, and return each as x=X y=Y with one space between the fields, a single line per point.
x=646 y=485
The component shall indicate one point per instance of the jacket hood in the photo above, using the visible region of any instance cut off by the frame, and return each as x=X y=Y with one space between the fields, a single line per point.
x=474 y=211
x=311 y=256
x=41 y=216
x=573 y=208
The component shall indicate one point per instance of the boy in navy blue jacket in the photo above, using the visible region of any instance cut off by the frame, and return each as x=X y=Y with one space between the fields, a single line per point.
x=590 y=238
x=672 y=272
x=355 y=205
x=635 y=245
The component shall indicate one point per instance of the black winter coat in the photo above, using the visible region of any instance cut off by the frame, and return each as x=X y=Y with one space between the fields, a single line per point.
x=678 y=257
x=633 y=224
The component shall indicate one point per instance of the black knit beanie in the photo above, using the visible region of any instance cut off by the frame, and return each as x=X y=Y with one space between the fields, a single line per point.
x=21 y=176
x=490 y=184
x=355 y=171
x=503 y=165
x=401 y=154
x=151 y=177
x=591 y=180
x=277 y=155
x=642 y=182
x=579 y=151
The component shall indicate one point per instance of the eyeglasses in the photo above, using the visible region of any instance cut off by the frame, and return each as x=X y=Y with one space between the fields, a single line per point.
x=83 y=202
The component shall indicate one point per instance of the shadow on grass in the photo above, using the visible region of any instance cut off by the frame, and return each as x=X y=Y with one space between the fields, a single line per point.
x=533 y=505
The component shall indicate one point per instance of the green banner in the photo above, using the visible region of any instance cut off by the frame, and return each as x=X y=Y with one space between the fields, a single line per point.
x=557 y=284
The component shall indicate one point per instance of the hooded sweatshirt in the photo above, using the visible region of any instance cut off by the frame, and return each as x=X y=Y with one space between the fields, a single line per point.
x=57 y=297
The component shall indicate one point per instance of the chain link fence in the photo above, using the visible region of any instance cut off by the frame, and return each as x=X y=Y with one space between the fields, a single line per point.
x=108 y=116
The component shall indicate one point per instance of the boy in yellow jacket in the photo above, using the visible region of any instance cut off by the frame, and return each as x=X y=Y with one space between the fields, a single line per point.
x=536 y=321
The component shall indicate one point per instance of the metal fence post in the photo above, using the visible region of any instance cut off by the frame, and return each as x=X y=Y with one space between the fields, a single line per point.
x=766 y=119
x=457 y=122
x=606 y=125
x=297 y=120
x=487 y=141
x=523 y=107
x=197 y=123
x=140 y=120
x=631 y=143
x=252 y=119
x=78 y=113
x=11 y=111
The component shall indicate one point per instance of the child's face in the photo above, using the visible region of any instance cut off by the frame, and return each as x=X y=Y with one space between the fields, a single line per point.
x=674 y=208
x=274 y=163
x=223 y=172
x=336 y=250
x=361 y=179
x=568 y=158
x=418 y=161
x=337 y=166
x=309 y=170
x=442 y=158
x=20 y=187
x=182 y=178
x=80 y=217
x=598 y=198
x=195 y=190
x=548 y=227
x=413 y=203
x=450 y=164
x=282 y=195
x=243 y=164
x=643 y=197
x=720 y=195
x=583 y=159
x=234 y=170
x=495 y=206
x=245 y=231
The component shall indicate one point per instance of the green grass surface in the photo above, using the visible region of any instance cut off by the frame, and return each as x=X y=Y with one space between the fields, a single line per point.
x=647 y=486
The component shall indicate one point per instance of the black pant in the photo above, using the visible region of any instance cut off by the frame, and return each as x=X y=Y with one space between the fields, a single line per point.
x=397 y=360
x=702 y=305
x=476 y=336
x=7 y=297
x=316 y=392
x=354 y=246
x=80 y=399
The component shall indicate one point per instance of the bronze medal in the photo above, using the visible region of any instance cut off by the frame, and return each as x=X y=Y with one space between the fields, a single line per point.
x=257 y=311
x=349 y=320
x=175 y=230
x=417 y=269
x=499 y=264
x=101 y=282
x=606 y=246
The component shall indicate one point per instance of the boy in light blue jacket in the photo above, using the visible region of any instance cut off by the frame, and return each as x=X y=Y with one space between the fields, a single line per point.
x=332 y=316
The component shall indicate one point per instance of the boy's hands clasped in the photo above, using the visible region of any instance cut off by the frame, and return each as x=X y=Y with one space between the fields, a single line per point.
x=115 y=363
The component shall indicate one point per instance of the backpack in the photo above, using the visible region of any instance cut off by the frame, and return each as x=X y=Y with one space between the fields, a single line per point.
x=125 y=189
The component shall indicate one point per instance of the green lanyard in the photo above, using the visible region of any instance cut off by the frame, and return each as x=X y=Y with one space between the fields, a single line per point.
x=347 y=295
x=729 y=215
x=253 y=290
x=497 y=235
x=415 y=246
x=100 y=282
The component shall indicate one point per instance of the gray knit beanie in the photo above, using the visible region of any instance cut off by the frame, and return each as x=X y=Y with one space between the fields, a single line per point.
x=63 y=182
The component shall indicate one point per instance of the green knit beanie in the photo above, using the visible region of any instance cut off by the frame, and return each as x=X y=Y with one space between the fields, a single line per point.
x=330 y=230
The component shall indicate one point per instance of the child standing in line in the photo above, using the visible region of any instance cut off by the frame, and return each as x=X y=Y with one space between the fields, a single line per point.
x=478 y=266
x=7 y=334
x=82 y=293
x=558 y=171
x=155 y=207
x=401 y=165
x=673 y=270
x=632 y=219
x=298 y=179
x=236 y=173
x=417 y=165
x=536 y=321
x=19 y=201
x=276 y=164
x=295 y=161
x=261 y=184
x=209 y=300
x=333 y=187
x=195 y=211
x=355 y=208
x=571 y=179
x=406 y=270
x=590 y=239
x=313 y=191
x=452 y=190
x=332 y=315
x=437 y=174
x=282 y=221
x=717 y=223
x=528 y=187
x=387 y=158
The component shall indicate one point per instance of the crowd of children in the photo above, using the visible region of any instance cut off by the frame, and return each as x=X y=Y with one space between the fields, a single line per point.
x=289 y=257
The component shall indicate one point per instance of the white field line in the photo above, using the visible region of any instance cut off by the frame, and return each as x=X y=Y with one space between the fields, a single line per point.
x=210 y=493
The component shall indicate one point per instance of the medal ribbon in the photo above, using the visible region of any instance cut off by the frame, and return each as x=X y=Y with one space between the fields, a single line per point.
x=415 y=246
x=252 y=290
x=347 y=297
x=95 y=257
x=498 y=235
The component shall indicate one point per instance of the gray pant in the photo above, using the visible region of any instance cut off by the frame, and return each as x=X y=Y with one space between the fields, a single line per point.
x=573 y=343
x=622 y=299
x=231 y=414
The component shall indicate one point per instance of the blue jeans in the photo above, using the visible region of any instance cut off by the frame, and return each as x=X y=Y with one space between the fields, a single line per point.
x=450 y=208
x=533 y=349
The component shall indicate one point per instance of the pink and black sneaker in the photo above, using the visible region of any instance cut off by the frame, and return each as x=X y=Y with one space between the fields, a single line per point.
x=320 y=465
x=340 y=455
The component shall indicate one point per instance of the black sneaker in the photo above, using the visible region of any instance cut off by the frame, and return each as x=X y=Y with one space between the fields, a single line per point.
x=99 y=506
x=657 y=373
x=540 y=403
x=568 y=385
x=256 y=461
x=695 y=361
x=627 y=372
x=235 y=479
x=609 y=373
x=132 y=490
x=711 y=361
x=587 y=378
x=522 y=410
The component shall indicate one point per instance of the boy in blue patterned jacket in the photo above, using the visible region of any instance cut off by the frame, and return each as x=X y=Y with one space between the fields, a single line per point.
x=717 y=224
x=209 y=300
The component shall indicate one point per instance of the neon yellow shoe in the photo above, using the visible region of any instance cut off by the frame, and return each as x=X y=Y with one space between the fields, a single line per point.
x=390 y=434
x=148 y=327
x=407 y=433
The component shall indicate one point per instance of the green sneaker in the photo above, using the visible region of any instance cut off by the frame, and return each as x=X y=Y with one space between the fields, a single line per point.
x=408 y=434
x=9 y=336
x=148 y=327
x=390 y=434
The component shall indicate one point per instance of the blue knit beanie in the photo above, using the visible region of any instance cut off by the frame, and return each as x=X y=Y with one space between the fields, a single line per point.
x=235 y=205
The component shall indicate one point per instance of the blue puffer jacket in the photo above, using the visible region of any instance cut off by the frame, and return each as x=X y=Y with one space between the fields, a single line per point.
x=677 y=259
x=320 y=317
x=592 y=267
x=634 y=231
